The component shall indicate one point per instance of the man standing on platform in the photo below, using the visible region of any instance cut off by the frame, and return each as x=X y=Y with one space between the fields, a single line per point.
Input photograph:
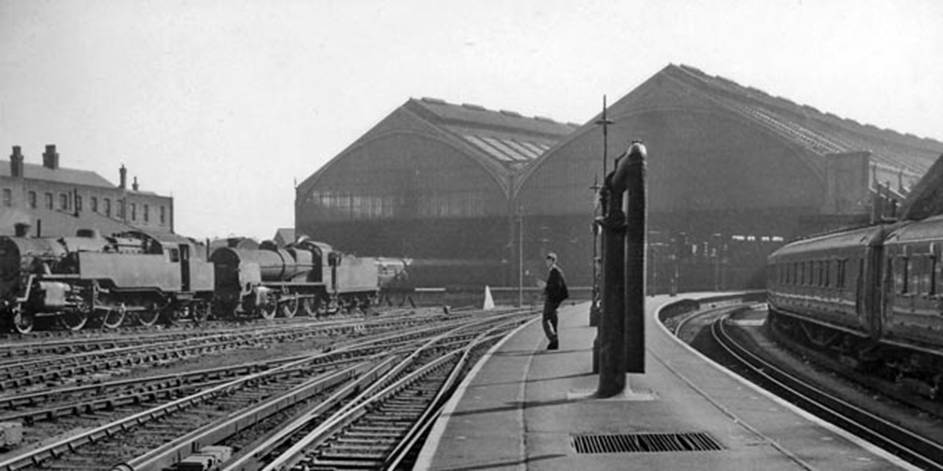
x=554 y=293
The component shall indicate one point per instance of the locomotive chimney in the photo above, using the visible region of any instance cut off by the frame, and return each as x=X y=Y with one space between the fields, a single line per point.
x=51 y=157
x=16 y=163
x=122 y=177
x=134 y=185
x=21 y=229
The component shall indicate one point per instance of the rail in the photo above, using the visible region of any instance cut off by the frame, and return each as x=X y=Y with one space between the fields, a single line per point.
x=900 y=441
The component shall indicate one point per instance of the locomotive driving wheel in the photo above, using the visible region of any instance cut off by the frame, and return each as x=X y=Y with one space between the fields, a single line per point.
x=289 y=307
x=149 y=316
x=268 y=309
x=23 y=321
x=114 y=317
x=200 y=312
x=73 y=319
x=310 y=306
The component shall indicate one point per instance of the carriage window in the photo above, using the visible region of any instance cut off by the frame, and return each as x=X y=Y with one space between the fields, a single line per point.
x=840 y=273
x=937 y=276
x=900 y=272
x=860 y=277
x=174 y=255
x=827 y=268
x=921 y=275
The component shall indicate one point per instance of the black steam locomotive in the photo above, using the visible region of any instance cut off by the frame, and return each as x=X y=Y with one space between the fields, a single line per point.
x=75 y=280
x=145 y=277
x=874 y=295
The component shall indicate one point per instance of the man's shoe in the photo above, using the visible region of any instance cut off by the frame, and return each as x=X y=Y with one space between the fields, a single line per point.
x=553 y=345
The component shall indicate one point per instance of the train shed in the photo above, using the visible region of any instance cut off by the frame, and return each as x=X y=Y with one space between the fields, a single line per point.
x=432 y=182
x=733 y=173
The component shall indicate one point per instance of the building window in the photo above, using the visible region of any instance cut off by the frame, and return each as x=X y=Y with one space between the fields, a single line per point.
x=134 y=212
x=63 y=201
x=147 y=216
x=7 y=197
x=32 y=199
x=107 y=207
x=48 y=200
x=78 y=203
x=94 y=204
x=163 y=215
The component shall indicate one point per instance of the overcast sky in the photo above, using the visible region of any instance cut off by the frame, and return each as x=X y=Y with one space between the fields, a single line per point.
x=226 y=103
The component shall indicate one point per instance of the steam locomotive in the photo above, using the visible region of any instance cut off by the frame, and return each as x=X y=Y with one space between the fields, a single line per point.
x=873 y=295
x=145 y=277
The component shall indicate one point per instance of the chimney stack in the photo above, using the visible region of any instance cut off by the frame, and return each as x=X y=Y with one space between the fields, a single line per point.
x=123 y=177
x=134 y=185
x=51 y=157
x=16 y=163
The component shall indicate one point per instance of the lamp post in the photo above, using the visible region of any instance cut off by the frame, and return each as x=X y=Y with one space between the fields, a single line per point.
x=594 y=300
x=520 y=256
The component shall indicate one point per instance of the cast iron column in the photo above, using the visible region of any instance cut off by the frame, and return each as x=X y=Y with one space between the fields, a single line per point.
x=611 y=331
x=635 y=259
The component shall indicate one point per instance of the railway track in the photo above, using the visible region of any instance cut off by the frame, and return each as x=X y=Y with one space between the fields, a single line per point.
x=121 y=354
x=896 y=439
x=379 y=428
x=240 y=407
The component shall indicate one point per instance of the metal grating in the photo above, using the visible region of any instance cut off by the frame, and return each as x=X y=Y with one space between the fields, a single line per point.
x=645 y=443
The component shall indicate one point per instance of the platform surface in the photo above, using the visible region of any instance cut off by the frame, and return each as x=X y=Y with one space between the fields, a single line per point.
x=522 y=405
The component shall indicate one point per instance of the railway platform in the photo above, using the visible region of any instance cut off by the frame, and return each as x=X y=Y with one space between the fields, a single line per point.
x=524 y=407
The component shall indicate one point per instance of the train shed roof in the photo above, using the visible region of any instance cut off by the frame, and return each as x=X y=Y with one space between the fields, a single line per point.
x=502 y=141
x=505 y=137
x=819 y=132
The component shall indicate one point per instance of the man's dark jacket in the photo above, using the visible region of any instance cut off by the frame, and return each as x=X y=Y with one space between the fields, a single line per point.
x=556 y=290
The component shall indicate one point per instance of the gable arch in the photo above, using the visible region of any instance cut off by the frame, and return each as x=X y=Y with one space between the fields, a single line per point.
x=701 y=154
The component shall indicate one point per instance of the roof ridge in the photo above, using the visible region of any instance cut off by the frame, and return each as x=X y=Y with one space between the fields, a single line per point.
x=800 y=109
x=511 y=114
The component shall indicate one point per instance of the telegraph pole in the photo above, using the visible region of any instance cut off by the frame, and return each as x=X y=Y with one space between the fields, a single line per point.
x=604 y=122
x=594 y=310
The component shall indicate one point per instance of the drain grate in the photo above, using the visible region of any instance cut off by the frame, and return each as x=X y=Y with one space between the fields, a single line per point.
x=645 y=443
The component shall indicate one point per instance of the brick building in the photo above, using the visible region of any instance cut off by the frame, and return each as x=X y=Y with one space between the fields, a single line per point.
x=56 y=201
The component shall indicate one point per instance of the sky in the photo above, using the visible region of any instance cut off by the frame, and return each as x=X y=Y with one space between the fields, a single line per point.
x=226 y=104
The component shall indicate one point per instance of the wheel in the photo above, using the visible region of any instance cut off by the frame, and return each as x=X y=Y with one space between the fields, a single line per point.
x=148 y=317
x=200 y=312
x=73 y=320
x=23 y=321
x=310 y=306
x=170 y=314
x=289 y=307
x=114 y=317
x=268 y=310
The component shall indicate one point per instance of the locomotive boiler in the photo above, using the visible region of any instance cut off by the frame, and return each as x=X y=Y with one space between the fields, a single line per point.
x=103 y=280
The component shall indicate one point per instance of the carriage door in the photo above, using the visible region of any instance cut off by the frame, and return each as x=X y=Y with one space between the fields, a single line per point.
x=185 y=267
